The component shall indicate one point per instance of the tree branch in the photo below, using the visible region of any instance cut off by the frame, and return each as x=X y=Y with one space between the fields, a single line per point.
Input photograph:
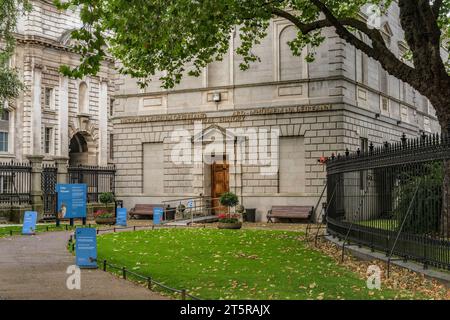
x=378 y=51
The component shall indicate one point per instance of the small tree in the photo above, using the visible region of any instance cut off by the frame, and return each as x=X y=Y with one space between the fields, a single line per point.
x=228 y=199
x=106 y=198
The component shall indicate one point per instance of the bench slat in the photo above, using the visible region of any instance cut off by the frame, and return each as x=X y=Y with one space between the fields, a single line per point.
x=290 y=212
x=144 y=209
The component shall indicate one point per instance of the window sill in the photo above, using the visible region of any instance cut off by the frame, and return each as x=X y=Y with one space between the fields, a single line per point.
x=4 y=154
x=49 y=111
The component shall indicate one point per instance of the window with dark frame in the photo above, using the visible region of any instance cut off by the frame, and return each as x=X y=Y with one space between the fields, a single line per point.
x=4 y=141
x=4 y=115
x=4 y=130
x=111 y=146
x=48 y=140
x=111 y=107
x=48 y=98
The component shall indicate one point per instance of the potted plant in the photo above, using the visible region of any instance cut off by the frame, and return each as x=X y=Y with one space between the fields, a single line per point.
x=106 y=215
x=228 y=220
x=179 y=214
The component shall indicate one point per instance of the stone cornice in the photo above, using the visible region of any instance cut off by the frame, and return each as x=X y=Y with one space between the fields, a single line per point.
x=224 y=116
x=48 y=43
x=274 y=83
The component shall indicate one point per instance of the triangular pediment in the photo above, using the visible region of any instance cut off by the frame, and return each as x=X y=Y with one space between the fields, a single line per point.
x=213 y=133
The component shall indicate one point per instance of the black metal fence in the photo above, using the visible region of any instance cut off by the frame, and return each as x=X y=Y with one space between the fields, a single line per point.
x=48 y=185
x=15 y=183
x=98 y=179
x=393 y=198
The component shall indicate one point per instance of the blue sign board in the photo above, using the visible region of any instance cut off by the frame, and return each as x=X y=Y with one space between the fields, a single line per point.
x=190 y=203
x=121 y=217
x=86 y=247
x=29 y=222
x=72 y=200
x=157 y=215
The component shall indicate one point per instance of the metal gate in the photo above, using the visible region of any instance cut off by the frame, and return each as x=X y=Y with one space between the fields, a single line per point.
x=48 y=185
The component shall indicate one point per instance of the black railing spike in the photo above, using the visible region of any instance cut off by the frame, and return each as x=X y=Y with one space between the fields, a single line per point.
x=404 y=140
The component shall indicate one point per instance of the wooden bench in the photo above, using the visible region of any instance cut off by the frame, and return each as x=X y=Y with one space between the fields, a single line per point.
x=143 y=210
x=290 y=212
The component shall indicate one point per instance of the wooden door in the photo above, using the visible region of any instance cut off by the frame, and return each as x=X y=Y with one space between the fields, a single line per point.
x=220 y=184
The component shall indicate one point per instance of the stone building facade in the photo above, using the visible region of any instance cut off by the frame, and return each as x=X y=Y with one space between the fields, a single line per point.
x=342 y=100
x=55 y=116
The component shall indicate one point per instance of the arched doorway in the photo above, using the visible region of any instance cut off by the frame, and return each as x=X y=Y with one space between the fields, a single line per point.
x=82 y=150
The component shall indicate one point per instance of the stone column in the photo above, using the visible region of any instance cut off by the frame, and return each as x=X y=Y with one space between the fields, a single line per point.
x=63 y=117
x=36 y=112
x=62 y=169
x=103 y=124
x=36 y=190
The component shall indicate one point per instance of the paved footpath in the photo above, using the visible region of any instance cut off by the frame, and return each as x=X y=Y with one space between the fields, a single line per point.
x=34 y=267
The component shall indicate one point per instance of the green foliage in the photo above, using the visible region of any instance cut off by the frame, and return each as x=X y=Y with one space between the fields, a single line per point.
x=425 y=214
x=10 y=84
x=106 y=198
x=228 y=199
x=180 y=37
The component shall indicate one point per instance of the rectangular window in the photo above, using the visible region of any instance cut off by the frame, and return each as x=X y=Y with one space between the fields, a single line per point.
x=404 y=114
x=426 y=124
x=4 y=141
x=384 y=80
x=111 y=107
x=48 y=141
x=4 y=115
x=384 y=105
x=48 y=98
x=111 y=147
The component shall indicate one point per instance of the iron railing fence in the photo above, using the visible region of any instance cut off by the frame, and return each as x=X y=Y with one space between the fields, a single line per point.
x=48 y=186
x=98 y=179
x=15 y=183
x=393 y=198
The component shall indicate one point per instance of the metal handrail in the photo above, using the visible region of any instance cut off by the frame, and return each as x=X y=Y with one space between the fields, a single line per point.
x=201 y=206
x=315 y=208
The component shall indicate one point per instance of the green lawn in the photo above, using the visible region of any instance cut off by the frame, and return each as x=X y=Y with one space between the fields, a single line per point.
x=5 y=231
x=230 y=264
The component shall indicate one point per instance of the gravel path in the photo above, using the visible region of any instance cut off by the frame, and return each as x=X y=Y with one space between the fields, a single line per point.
x=34 y=267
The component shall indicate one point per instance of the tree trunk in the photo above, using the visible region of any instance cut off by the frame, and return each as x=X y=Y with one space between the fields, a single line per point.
x=441 y=103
